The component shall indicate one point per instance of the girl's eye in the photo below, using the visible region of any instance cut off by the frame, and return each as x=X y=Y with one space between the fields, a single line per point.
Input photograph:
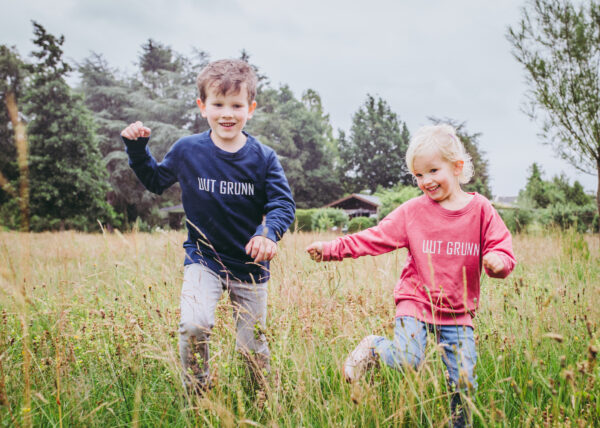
x=434 y=170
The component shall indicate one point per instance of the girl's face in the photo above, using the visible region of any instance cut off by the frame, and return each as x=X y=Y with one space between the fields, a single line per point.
x=436 y=176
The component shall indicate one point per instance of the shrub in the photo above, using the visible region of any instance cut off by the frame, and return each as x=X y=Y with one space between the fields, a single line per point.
x=303 y=220
x=517 y=219
x=327 y=218
x=568 y=216
x=391 y=199
x=360 y=223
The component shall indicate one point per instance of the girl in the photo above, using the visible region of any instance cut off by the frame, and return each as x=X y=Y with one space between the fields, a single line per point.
x=450 y=236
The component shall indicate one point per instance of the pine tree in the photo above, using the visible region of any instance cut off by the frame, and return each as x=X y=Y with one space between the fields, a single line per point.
x=68 y=179
x=374 y=154
x=13 y=182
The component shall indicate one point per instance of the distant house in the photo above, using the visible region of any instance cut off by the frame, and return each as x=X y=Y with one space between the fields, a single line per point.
x=175 y=215
x=505 y=201
x=357 y=205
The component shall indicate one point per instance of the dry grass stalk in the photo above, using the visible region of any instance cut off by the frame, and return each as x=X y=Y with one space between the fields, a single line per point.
x=22 y=158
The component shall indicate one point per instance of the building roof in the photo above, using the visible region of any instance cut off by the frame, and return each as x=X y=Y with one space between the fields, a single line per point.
x=372 y=200
x=174 y=208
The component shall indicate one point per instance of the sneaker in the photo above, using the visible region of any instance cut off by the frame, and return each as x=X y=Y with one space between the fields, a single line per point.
x=360 y=359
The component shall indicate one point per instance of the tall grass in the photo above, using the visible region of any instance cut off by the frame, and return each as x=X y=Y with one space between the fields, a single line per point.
x=90 y=322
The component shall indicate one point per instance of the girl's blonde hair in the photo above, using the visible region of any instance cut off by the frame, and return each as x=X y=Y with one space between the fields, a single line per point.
x=443 y=139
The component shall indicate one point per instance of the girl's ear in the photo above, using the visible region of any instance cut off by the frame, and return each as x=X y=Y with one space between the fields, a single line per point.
x=458 y=167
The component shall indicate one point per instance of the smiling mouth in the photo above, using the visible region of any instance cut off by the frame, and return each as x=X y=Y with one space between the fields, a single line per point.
x=433 y=189
x=227 y=124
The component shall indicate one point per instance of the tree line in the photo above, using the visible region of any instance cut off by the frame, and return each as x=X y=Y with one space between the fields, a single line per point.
x=78 y=170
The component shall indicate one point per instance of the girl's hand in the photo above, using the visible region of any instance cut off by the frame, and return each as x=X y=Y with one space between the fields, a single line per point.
x=493 y=262
x=315 y=250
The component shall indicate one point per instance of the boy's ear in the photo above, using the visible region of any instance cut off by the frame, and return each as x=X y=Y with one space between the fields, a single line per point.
x=251 y=109
x=458 y=167
x=201 y=106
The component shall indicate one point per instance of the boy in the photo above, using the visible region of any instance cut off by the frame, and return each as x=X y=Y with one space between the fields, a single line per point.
x=238 y=205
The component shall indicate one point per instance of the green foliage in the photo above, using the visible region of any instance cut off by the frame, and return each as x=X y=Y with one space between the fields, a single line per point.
x=357 y=224
x=12 y=74
x=303 y=221
x=480 y=182
x=556 y=41
x=552 y=202
x=301 y=134
x=328 y=218
x=374 y=153
x=67 y=178
x=517 y=219
x=393 y=198
x=582 y=218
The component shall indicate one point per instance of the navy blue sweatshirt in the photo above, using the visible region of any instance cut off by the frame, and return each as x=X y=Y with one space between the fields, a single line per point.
x=225 y=197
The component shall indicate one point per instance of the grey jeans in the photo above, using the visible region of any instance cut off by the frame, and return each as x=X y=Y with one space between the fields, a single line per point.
x=201 y=291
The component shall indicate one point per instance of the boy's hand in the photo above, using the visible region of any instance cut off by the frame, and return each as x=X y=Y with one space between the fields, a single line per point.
x=261 y=249
x=315 y=250
x=493 y=262
x=135 y=131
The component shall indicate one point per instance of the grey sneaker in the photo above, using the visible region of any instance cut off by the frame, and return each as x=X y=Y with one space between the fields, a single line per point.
x=360 y=359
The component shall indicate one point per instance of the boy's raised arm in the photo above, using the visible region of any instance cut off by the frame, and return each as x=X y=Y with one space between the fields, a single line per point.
x=156 y=177
x=136 y=130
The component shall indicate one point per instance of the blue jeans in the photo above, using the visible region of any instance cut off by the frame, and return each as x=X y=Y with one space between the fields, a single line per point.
x=408 y=349
x=202 y=288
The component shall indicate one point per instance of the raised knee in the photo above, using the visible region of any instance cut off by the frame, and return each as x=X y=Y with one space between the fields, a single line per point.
x=195 y=329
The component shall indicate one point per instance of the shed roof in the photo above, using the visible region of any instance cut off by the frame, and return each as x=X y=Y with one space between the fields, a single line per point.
x=372 y=200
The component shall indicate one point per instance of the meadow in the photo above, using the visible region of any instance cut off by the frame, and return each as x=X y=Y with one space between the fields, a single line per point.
x=89 y=331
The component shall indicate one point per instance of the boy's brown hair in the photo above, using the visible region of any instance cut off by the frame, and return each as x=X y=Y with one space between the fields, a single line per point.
x=227 y=75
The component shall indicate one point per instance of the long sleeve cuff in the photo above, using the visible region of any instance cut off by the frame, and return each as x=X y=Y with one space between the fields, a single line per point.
x=267 y=232
x=136 y=145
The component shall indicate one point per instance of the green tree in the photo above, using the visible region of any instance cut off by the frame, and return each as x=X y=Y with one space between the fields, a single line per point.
x=14 y=186
x=12 y=73
x=480 y=182
x=374 y=153
x=558 y=44
x=68 y=179
x=536 y=193
x=301 y=134
x=541 y=193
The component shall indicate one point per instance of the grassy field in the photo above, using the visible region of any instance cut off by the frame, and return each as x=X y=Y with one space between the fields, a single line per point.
x=88 y=337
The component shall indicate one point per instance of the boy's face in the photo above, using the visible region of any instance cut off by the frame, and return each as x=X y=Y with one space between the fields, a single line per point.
x=227 y=114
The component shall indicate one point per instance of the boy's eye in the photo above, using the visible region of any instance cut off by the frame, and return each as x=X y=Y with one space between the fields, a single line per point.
x=434 y=170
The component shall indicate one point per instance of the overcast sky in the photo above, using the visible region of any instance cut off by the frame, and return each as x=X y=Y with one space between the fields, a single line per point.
x=441 y=58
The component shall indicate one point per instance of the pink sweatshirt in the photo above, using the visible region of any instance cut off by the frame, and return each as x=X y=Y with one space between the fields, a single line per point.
x=440 y=280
